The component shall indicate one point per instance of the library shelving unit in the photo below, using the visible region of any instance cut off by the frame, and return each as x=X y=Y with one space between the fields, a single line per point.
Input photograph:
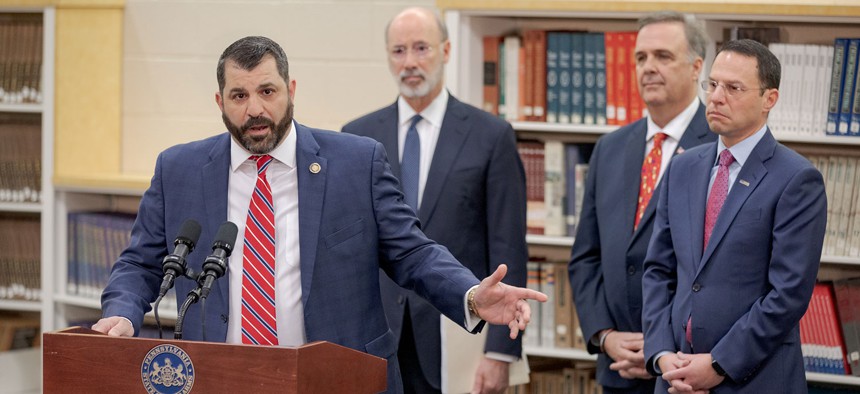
x=25 y=363
x=801 y=21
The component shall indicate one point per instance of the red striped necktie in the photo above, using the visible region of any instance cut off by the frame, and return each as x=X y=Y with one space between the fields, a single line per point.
x=259 y=325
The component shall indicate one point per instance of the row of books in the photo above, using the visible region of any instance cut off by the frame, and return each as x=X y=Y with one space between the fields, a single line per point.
x=555 y=184
x=20 y=250
x=560 y=378
x=562 y=77
x=821 y=335
x=96 y=239
x=842 y=186
x=19 y=331
x=843 y=104
x=554 y=323
x=20 y=58
x=20 y=157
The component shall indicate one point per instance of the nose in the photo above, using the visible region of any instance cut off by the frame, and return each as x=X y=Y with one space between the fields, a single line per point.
x=718 y=94
x=255 y=106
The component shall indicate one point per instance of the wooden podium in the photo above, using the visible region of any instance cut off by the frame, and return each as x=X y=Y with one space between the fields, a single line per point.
x=79 y=360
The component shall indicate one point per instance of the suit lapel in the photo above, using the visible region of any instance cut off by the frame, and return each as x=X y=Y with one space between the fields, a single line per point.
x=634 y=155
x=751 y=173
x=700 y=175
x=311 y=195
x=216 y=176
x=452 y=137
x=386 y=134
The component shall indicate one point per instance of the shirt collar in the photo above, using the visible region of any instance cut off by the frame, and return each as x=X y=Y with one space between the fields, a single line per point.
x=434 y=113
x=742 y=150
x=677 y=126
x=285 y=152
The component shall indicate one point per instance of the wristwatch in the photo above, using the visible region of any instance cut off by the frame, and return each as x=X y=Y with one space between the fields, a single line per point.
x=717 y=368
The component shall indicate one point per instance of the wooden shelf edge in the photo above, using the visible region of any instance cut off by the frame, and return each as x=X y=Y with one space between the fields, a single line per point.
x=110 y=184
x=805 y=8
x=65 y=3
x=20 y=305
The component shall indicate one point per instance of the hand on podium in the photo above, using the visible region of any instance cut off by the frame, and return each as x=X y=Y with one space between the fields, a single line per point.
x=114 y=326
x=499 y=303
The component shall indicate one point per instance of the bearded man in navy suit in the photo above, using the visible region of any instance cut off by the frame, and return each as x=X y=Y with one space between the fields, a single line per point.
x=338 y=218
x=470 y=195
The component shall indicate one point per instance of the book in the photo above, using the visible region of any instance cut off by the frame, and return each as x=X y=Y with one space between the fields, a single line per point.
x=491 y=74
x=553 y=42
x=846 y=104
x=840 y=50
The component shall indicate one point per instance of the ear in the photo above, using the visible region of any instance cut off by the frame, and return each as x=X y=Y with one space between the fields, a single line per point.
x=219 y=100
x=770 y=97
x=292 y=89
x=698 y=64
x=446 y=50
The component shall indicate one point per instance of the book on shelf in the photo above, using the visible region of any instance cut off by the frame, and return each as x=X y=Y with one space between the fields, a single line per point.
x=553 y=43
x=842 y=188
x=763 y=34
x=822 y=343
x=491 y=74
x=846 y=104
x=19 y=331
x=847 y=294
x=20 y=257
x=20 y=57
x=840 y=51
x=532 y=155
x=20 y=157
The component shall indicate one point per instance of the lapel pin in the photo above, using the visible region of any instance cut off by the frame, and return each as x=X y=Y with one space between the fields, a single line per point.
x=315 y=168
x=743 y=182
x=679 y=150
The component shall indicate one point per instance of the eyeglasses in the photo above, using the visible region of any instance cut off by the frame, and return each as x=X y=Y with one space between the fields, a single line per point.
x=420 y=50
x=731 y=90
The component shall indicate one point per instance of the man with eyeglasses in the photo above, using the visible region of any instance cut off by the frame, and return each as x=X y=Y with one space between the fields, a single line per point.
x=459 y=170
x=737 y=240
x=618 y=207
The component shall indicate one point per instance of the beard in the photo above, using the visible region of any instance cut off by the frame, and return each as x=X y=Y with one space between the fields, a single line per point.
x=430 y=80
x=260 y=145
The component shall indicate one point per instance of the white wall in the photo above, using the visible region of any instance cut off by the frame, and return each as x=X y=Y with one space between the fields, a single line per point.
x=171 y=47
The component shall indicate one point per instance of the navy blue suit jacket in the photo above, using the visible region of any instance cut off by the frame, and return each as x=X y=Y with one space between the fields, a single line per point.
x=474 y=204
x=352 y=219
x=606 y=260
x=748 y=290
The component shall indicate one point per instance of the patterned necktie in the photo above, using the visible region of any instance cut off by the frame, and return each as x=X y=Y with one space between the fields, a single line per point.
x=650 y=173
x=411 y=164
x=719 y=190
x=258 y=265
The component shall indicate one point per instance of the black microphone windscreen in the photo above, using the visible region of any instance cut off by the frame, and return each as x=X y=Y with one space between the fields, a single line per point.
x=189 y=232
x=226 y=234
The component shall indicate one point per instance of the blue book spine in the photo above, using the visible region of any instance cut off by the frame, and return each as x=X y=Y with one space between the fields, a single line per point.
x=590 y=80
x=848 y=88
x=577 y=78
x=552 y=76
x=599 y=45
x=564 y=79
x=840 y=47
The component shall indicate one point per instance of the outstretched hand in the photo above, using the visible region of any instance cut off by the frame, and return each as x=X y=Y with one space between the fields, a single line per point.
x=502 y=304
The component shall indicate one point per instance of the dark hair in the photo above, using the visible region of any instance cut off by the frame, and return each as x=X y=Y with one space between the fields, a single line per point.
x=696 y=38
x=769 y=70
x=248 y=52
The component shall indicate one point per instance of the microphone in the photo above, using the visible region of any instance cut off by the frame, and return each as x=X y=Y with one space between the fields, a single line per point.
x=215 y=265
x=174 y=263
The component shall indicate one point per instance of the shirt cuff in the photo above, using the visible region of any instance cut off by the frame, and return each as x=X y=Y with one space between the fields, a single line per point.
x=501 y=357
x=472 y=320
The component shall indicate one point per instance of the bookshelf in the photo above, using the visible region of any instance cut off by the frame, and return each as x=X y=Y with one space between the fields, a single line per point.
x=22 y=365
x=801 y=22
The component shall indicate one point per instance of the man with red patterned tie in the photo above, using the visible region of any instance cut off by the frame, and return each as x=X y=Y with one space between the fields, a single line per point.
x=737 y=240
x=618 y=207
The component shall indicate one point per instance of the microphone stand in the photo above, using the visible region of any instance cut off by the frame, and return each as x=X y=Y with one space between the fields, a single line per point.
x=193 y=296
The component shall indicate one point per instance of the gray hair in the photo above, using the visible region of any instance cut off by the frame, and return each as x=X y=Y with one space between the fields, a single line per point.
x=697 y=39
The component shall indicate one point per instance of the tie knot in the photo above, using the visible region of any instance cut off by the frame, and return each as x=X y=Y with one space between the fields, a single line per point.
x=415 y=119
x=726 y=158
x=659 y=138
x=262 y=162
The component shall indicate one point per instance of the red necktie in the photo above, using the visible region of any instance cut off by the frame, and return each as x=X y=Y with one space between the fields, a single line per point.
x=719 y=190
x=258 y=265
x=650 y=173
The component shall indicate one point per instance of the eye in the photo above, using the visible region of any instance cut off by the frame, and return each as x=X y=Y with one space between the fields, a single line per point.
x=736 y=88
x=239 y=96
x=712 y=85
x=268 y=92
x=398 y=51
x=421 y=49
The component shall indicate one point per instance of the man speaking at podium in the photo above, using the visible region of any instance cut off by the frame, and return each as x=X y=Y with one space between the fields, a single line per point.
x=319 y=214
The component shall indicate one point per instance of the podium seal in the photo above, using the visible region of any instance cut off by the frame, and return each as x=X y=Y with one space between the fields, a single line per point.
x=167 y=369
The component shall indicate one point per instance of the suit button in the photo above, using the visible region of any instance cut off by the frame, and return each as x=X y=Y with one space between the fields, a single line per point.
x=631 y=270
x=401 y=300
x=224 y=318
x=697 y=287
